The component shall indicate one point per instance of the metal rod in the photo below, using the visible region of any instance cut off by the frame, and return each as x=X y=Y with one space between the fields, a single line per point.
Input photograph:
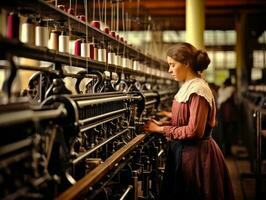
x=85 y=154
x=98 y=117
x=83 y=103
x=83 y=185
x=85 y=128
x=15 y=146
x=130 y=187
x=150 y=102
x=29 y=115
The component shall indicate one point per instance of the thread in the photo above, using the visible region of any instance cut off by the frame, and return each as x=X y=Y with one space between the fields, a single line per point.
x=96 y=24
x=3 y=23
x=27 y=32
x=62 y=7
x=54 y=41
x=112 y=33
x=64 y=42
x=70 y=11
x=77 y=47
x=95 y=53
x=82 y=18
x=124 y=62
x=102 y=55
x=85 y=49
x=92 y=51
x=111 y=58
x=130 y=63
x=41 y=35
x=106 y=30
x=135 y=65
x=13 y=26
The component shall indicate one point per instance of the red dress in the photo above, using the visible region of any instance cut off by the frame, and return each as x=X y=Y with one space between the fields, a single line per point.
x=195 y=166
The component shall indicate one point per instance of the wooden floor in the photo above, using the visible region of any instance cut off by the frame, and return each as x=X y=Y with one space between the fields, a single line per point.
x=238 y=166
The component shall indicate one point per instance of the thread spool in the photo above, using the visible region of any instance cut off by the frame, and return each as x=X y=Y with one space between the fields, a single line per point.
x=111 y=58
x=3 y=22
x=62 y=7
x=64 y=42
x=124 y=62
x=95 y=52
x=85 y=49
x=112 y=33
x=130 y=63
x=101 y=55
x=121 y=39
x=77 y=47
x=96 y=24
x=135 y=65
x=27 y=32
x=41 y=35
x=54 y=40
x=27 y=36
x=82 y=18
x=70 y=11
x=106 y=30
x=13 y=26
x=92 y=51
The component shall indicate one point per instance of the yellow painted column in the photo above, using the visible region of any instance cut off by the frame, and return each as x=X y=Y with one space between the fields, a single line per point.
x=195 y=22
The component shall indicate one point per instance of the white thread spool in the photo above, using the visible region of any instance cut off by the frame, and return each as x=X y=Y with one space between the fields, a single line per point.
x=124 y=62
x=3 y=22
x=64 y=42
x=53 y=41
x=102 y=55
x=135 y=65
x=130 y=63
x=41 y=35
x=85 y=49
x=27 y=32
x=111 y=58
x=71 y=46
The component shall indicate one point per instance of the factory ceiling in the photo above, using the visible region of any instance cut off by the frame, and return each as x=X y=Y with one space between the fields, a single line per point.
x=170 y=14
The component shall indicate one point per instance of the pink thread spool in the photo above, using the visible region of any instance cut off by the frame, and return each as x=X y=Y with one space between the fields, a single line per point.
x=106 y=30
x=70 y=11
x=77 y=47
x=82 y=18
x=13 y=26
x=96 y=24
x=62 y=7
x=112 y=33
x=92 y=51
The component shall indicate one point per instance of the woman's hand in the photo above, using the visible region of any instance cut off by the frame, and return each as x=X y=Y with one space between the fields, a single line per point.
x=152 y=126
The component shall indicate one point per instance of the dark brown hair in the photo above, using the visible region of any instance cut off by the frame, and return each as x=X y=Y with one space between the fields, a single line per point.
x=186 y=53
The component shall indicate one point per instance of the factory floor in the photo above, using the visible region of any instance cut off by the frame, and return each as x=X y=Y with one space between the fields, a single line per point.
x=239 y=166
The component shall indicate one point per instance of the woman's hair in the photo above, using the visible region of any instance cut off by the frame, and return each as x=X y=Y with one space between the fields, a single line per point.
x=186 y=53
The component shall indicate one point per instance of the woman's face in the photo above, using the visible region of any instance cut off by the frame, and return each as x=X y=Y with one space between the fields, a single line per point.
x=177 y=69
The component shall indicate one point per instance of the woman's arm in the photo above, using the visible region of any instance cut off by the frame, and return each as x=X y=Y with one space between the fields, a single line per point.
x=199 y=109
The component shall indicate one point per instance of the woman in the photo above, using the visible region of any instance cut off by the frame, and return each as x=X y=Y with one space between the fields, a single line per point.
x=195 y=166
